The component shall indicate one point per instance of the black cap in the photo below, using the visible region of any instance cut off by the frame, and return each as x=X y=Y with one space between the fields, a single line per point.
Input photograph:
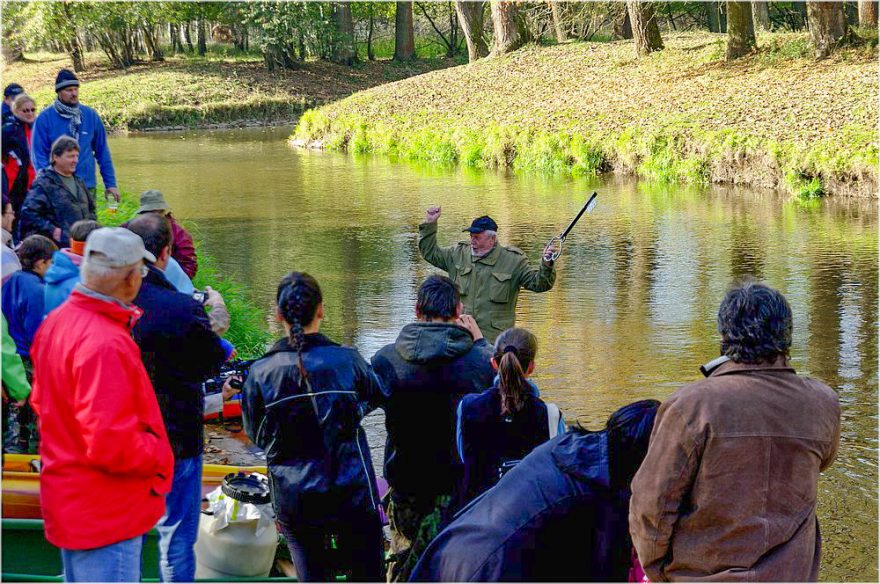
x=481 y=224
x=66 y=78
x=12 y=90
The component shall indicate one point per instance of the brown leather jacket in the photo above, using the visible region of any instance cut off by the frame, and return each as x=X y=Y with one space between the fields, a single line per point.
x=729 y=485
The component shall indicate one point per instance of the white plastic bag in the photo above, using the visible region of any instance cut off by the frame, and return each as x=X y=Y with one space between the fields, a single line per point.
x=225 y=510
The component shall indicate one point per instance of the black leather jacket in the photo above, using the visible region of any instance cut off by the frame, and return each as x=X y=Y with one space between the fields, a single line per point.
x=317 y=452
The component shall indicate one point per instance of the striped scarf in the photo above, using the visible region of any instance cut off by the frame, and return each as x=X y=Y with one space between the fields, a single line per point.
x=69 y=112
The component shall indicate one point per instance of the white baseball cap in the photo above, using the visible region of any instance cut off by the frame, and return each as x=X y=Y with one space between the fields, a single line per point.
x=115 y=247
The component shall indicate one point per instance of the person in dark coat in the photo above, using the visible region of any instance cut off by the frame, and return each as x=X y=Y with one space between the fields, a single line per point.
x=179 y=351
x=16 y=150
x=302 y=403
x=10 y=92
x=58 y=198
x=560 y=515
x=426 y=371
x=498 y=427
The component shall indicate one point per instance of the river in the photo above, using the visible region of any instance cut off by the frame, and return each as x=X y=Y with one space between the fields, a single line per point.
x=632 y=314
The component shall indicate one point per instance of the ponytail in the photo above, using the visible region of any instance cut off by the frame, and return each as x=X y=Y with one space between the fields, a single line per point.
x=298 y=299
x=515 y=350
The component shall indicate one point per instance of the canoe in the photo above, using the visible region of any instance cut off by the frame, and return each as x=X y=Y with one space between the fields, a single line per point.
x=21 y=483
x=28 y=557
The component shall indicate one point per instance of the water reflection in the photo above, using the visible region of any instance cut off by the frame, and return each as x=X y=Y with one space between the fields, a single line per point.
x=632 y=315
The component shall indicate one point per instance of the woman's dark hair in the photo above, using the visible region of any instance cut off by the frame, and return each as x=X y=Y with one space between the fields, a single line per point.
x=33 y=249
x=629 y=431
x=438 y=298
x=755 y=323
x=80 y=230
x=515 y=349
x=298 y=299
x=62 y=145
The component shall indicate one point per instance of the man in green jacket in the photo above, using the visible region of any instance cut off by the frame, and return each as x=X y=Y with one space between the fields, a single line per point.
x=489 y=275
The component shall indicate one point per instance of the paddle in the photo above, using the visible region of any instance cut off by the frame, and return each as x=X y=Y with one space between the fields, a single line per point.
x=559 y=239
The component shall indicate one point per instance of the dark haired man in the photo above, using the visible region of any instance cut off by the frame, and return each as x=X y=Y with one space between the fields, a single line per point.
x=729 y=486
x=179 y=351
x=67 y=116
x=432 y=364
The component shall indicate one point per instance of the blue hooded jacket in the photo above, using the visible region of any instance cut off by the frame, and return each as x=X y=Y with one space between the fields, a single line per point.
x=49 y=126
x=555 y=517
x=60 y=279
x=22 y=302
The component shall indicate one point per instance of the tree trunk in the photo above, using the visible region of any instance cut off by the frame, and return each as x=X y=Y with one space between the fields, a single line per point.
x=187 y=36
x=151 y=38
x=509 y=36
x=343 y=50
x=644 y=27
x=404 y=40
x=76 y=54
x=801 y=9
x=828 y=26
x=202 y=37
x=557 y=21
x=761 y=14
x=740 y=30
x=370 y=25
x=470 y=17
x=868 y=13
x=174 y=37
x=623 y=26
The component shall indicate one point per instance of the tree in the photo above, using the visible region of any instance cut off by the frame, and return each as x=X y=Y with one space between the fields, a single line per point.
x=343 y=46
x=868 y=13
x=509 y=33
x=740 y=30
x=557 y=21
x=644 y=27
x=435 y=13
x=761 y=14
x=828 y=26
x=623 y=26
x=404 y=39
x=470 y=17
x=713 y=16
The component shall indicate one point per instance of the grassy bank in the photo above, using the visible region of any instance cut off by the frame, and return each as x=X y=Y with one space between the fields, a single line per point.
x=776 y=119
x=187 y=91
x=247 y=330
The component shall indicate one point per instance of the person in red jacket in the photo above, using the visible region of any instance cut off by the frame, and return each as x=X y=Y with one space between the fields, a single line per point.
x=182 y=248
x=106 y=460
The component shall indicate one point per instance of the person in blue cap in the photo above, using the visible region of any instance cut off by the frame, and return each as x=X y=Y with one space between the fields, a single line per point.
x=67 y=116
x=10 y=92
x=488 y=274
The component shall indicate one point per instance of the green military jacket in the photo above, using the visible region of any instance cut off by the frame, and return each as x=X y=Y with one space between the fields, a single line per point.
x=489 y=285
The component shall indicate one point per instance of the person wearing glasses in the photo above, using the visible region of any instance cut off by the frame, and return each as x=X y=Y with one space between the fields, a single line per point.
x=17 y=149
x=58 y=198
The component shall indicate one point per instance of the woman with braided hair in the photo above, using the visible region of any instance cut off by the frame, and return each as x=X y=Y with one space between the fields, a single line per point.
x=499 y=427
x=302 y=403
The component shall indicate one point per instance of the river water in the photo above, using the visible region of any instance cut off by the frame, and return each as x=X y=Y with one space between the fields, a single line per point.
x=632 y=314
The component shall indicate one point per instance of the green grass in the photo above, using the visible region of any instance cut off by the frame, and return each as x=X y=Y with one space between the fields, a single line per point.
x=679 y=115
x=247 y=331
x=223 y=87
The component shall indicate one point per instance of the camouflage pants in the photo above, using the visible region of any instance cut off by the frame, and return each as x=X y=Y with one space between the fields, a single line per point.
x=413 y=526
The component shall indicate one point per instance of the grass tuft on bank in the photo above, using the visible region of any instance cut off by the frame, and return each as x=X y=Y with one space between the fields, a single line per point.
x=247 y=330
x=775 y=119
x=191 y=91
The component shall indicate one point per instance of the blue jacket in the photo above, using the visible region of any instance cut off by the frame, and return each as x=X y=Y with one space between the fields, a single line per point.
x=486 y=439
x=317 y=452
x=22 y=303
x=425 y=372
x=60 y=279
x=555 y=517
x=179 y=351
x=49 y=126
x=49 y=205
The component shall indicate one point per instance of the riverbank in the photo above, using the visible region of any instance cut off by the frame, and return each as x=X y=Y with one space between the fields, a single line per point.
x=247 y=329
x=776 y=119
x=206 y=92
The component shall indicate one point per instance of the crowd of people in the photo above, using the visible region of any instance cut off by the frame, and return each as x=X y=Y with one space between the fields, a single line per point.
x=106 y=349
